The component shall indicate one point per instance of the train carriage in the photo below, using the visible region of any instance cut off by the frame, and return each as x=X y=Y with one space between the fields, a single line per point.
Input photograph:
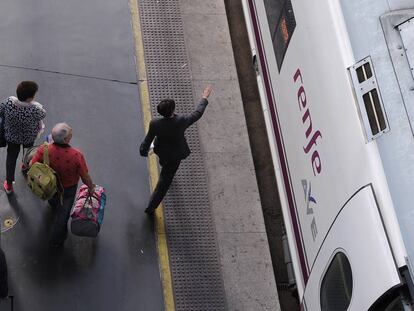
x=337 y=82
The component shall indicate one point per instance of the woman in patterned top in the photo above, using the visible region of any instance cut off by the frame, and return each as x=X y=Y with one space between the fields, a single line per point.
x=22 y=121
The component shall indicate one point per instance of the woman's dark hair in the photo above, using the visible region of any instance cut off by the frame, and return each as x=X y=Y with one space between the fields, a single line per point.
x=26 y=89
x=166 y=107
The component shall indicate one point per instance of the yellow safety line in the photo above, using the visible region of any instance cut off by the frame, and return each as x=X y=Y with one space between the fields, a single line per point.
x=152 y=161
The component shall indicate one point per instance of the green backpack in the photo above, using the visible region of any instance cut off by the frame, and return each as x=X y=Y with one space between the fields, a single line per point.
x=41 y=178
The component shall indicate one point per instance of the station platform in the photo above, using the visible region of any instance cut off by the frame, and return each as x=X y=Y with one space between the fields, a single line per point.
x=102 y=66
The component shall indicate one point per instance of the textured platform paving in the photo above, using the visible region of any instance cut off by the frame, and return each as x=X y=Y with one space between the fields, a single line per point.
x=190 y=231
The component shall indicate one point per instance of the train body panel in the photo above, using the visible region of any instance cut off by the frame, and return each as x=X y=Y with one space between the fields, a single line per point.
x=308 y=55
x=369 y=36
x=363 y=258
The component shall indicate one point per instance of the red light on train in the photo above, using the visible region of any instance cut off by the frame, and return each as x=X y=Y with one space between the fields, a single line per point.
x=284 y=29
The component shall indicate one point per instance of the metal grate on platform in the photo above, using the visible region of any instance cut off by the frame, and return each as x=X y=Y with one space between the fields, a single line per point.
x=192 y=243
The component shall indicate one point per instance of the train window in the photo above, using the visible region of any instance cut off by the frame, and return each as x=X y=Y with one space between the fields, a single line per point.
x=388 y=304
x=369 y=99
x=282 y=23
x=336 y=288
x=364 y=72
x=374 y=112
x=396 y=305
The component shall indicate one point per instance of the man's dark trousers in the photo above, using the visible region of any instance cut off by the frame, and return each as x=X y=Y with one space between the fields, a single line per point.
x=168 y=170
x=62 y=213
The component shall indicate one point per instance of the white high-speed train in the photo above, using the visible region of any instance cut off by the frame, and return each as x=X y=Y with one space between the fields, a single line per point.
x=337 y=84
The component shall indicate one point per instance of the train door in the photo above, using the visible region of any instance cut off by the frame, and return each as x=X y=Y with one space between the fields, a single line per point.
x=354 y=266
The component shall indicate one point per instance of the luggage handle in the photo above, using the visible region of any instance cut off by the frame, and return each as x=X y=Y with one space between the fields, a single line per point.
x=88 y=211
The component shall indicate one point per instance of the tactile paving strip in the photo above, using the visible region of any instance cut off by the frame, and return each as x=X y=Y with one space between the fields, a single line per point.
x=192 y=243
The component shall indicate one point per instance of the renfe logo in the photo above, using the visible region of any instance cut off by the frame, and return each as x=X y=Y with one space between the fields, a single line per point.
x=311 y=136
x=307 y=189
x=309 y=148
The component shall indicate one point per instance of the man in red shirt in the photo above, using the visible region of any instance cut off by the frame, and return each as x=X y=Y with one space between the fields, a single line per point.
x=70 y=165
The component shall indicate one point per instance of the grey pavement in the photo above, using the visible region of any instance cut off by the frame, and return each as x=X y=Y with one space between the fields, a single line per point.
x=88 y=44
x=244 y=252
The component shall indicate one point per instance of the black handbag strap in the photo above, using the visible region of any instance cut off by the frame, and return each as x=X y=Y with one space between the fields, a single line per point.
x=87 y=211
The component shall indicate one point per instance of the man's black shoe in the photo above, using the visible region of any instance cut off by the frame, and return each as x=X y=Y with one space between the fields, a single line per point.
x=149 y=211
x=56 y=245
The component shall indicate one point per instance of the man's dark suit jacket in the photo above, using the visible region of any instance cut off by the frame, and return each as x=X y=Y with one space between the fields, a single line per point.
x=170 y=143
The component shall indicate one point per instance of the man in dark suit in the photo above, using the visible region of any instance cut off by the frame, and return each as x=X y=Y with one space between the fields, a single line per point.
x=170 y=144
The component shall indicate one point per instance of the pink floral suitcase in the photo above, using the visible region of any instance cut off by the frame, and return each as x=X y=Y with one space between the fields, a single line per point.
x=87 y=215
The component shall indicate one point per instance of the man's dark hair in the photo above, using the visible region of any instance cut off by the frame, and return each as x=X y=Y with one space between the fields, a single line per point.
x=166 y=107
x=26 y=89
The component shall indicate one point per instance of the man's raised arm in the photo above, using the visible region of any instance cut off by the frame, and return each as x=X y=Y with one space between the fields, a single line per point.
x=202 y=104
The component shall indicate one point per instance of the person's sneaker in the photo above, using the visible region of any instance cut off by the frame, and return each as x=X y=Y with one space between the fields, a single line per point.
x=7 y=187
